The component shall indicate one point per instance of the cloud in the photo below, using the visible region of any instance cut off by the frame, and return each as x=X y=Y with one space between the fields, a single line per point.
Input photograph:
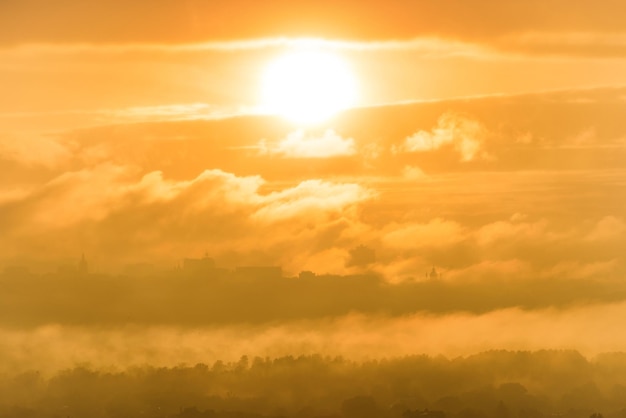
x=578 y=270
x=149 y=185
x=33 y=21
x=511 y=231
x=566 y=43
x=466 y=135
x=608 y=228
x=172 y=112
x=310 y=198
x=412 y=172
x=11 y=195
x=501 y=271
x=518 y=217
x=436 y=233
x=97 y=193
x=164 y=217
x=301 y=144
x=33 y=150
x=358 y=337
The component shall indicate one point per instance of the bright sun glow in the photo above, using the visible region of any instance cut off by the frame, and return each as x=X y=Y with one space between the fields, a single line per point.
x=308 y=86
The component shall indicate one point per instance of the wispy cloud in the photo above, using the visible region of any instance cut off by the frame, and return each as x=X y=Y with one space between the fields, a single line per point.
x=436 y=233
x=594 y=44
x=311 y=197
x=357 y=337
x=302 y=144
x=464 y=134
x=34 y=150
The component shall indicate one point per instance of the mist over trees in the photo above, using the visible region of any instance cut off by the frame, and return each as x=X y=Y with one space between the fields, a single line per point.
x=493 y=384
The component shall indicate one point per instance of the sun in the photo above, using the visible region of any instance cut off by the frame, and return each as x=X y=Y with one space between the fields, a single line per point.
x=308 y=87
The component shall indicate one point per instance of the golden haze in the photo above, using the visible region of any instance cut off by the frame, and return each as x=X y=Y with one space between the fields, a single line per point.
x=338 y=209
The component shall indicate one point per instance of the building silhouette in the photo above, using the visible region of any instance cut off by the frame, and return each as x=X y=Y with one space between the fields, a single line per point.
x=199 y=265
x=259 y=272
x=433 y=274
x=306 y=275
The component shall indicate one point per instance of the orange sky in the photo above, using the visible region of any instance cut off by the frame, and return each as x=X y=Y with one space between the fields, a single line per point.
x=71 y=57
x=143 y=99
x=169 y=21
x=488 y=140
x=112 y=93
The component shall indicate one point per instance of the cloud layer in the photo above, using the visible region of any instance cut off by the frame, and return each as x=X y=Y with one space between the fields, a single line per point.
x=33 y=20
x=495 y=216
x=52 y=348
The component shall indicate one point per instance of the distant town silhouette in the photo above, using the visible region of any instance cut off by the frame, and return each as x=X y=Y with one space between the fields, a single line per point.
x=198 y=291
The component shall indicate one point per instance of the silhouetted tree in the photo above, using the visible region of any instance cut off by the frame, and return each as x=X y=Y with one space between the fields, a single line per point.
x=360 y=407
